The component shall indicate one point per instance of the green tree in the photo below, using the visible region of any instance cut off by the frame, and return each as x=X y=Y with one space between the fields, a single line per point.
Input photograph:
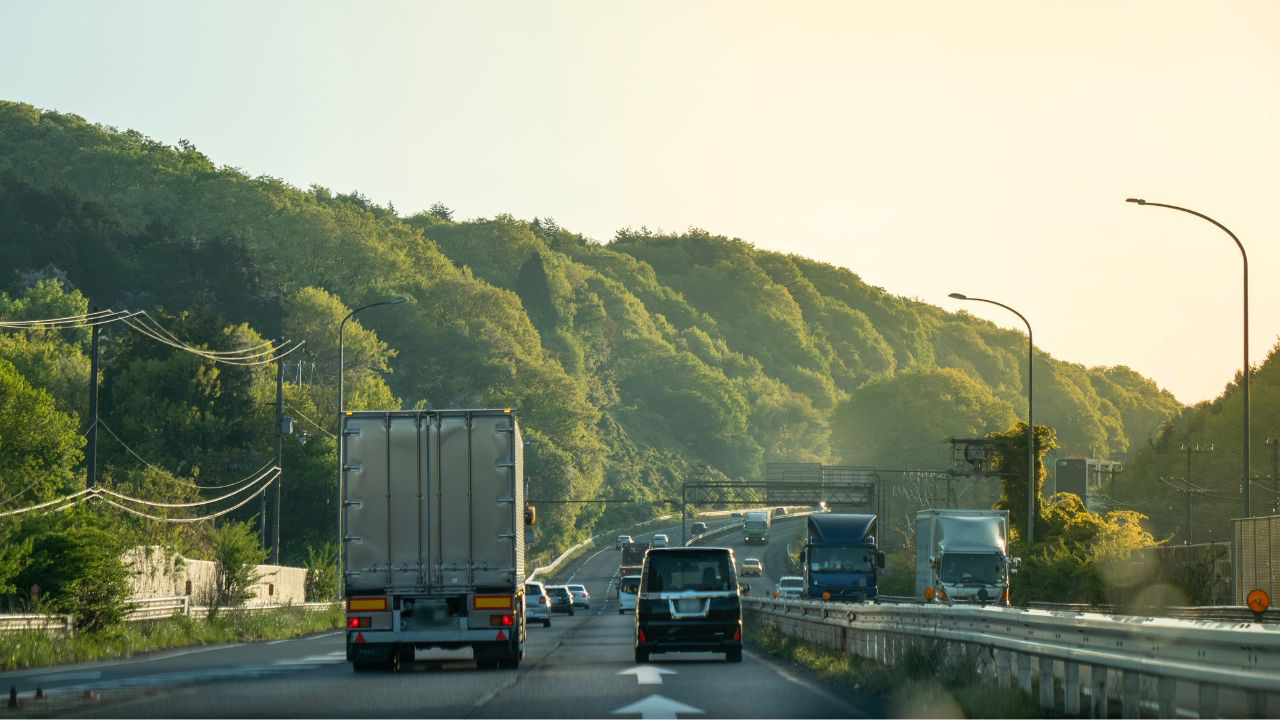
x=41 y=446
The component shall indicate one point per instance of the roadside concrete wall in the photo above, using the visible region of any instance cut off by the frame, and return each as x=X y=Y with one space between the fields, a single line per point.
x=157 y=573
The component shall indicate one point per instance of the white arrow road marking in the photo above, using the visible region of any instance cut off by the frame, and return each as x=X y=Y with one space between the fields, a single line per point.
x=648 y=674
x=656 y=707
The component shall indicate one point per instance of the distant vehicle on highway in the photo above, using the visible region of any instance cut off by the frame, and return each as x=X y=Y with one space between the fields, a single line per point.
x=689 y=602
x=790 y=586
x=755 y=527
x=779 y=511
x=581 y=598
x=962 y=556
x=628 y=589
x=622 y=540
x=752 y=566
x=735 y=514
x=561 y=599
x=660 y=540
x=840 y=557
x=537 y=608
x=632 y=558
x=699 y=528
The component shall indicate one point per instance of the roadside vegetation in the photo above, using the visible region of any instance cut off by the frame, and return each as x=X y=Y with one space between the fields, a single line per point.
x=924 y=683
x=38 y=649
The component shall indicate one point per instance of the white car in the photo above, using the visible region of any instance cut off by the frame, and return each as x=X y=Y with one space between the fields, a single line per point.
x=790 y=586
x=628 y=590
x=537 y=608
x=660 y=540
x=622 y=540
x=581 y=598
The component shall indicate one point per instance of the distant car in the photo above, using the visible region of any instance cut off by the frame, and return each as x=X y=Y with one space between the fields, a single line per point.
x=735 y=514
x=779 y=511
x=660 y=540
x=790 y=586
x=581 y=598
x=561 y=599
x=628 y=589
x=752 y=566
x=622 y=540
x=689 y=602
x=699 y=528
x=537 y=608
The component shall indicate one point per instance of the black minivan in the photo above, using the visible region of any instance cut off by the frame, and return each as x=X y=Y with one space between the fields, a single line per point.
x=689 y=602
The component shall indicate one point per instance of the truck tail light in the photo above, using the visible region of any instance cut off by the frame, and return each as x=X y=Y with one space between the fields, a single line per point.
x=501 y=621
x=491 y=602
x=366 y=603
x=359 y=622
x=1004 y=599
x=942 y=593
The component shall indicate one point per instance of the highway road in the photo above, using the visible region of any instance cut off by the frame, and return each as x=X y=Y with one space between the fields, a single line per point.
x=581 y=666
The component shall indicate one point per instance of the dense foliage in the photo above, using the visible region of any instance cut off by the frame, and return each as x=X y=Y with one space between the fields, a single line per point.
x=633 y=365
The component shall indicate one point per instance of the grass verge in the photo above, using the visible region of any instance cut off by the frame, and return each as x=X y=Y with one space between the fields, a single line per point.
x=36 y=649
x=922 y=685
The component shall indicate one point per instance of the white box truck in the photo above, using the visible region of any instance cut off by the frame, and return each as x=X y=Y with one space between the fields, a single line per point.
x=433 y=517
x=962 y=556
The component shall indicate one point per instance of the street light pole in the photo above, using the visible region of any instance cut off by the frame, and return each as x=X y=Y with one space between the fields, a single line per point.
x=1244 y=371
x=1031 y=425
x=341 y=406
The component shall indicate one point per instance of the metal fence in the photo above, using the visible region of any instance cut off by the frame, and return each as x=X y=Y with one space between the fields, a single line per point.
x=1257 y=542
x=140 y=610
x=1075 y=662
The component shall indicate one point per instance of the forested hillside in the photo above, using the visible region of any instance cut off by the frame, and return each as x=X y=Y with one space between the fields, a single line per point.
x=633 y=364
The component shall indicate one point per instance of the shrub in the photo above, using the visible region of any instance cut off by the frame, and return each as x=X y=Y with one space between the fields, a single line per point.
x=75 y=563
x=236 y=554
x=322 y=573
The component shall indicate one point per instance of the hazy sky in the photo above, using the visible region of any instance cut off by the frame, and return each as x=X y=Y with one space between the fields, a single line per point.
x=931 y=147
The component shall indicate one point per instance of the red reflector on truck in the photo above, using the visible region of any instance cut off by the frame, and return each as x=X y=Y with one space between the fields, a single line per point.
x=501 y=635
x=359 y=638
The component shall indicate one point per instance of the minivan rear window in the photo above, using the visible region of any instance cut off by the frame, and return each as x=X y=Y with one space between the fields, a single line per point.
x=685 y=573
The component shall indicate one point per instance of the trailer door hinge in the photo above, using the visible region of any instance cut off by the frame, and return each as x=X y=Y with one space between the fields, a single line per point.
x=353 y=467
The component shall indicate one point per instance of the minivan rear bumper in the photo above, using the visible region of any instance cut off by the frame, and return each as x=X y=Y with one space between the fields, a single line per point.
x=686 y=636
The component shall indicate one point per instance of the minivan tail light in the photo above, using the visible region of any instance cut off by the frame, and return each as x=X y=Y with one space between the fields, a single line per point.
x=639 y=636
x=737 y=633
x=542 y=599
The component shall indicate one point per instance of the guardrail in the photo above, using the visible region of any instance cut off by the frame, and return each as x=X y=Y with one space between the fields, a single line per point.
x=55 y=624
x=567 y=554
x=1159 y=664
x=149 y=608
x=142 y=609
x=1221 y=613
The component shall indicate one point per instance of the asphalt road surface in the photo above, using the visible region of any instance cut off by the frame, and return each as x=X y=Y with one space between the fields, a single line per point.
x=581 y=666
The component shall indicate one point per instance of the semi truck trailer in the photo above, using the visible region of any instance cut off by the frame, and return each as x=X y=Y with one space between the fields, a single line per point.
x=433 y=516
x=962 y=556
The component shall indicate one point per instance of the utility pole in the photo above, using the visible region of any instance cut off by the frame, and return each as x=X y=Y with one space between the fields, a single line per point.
x=275 y=520
x=1190 y=450
x=1275 y=473
x=91 y=454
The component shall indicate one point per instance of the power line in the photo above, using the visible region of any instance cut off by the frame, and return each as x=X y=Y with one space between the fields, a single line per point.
x=268 y=477
x=19 y=493
x=220 y=513
x=174 y=476
x=313 y=422
x=29 y=508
